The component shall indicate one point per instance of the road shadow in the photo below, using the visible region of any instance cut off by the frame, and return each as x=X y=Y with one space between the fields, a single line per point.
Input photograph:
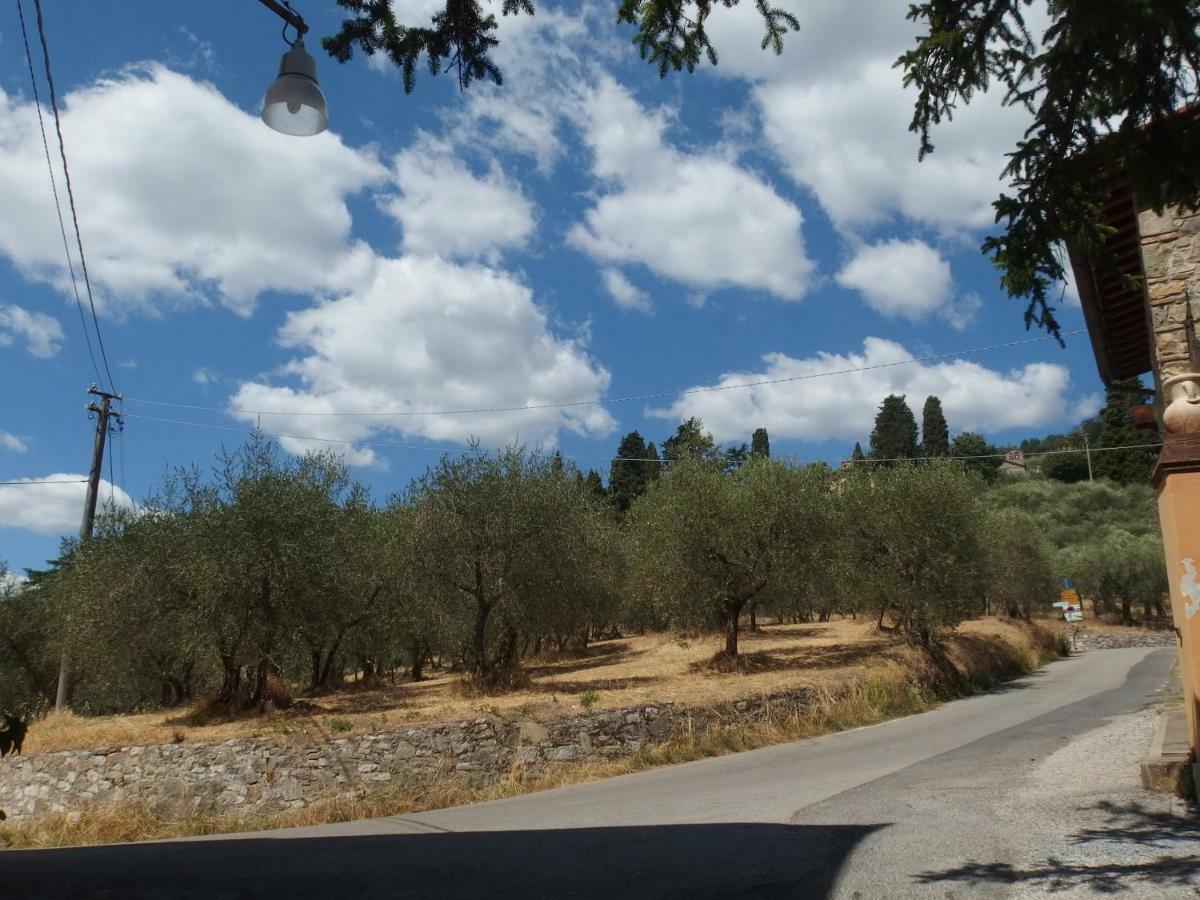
x=1155 y=849
x=684 y=861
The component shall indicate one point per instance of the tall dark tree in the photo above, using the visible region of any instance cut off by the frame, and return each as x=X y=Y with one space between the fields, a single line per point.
x=627 y=478
x=858 y=455
x=895 y=432
x=760 y=444
x=935 y=434
x=1124 y=466
x=654 y=467
x=690 y=441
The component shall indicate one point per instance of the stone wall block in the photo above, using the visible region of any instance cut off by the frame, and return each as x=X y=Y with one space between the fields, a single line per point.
x=1151 y=223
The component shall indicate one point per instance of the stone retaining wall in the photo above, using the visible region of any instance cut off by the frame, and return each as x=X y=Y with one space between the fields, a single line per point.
x=256 y=775
x=1111 y=641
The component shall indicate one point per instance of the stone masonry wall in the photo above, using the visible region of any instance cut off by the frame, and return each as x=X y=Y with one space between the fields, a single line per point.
x=1113 y=641
x=1170 y=260
x=256 y=775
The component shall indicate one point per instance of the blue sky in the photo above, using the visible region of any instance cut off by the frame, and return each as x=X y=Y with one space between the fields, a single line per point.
x=585 y=232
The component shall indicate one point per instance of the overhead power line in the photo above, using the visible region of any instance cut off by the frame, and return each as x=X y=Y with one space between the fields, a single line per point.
x=659 y=395
x=1002 y=455
x=37 y=103
x=27 y=483
x=395 y=445
x=62 y=149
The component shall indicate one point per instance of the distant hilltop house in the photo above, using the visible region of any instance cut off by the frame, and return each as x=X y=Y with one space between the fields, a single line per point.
x=1014 y=464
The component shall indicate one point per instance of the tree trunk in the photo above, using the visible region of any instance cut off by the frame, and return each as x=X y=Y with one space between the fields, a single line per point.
x=753 y=617
x=882 y=613
x=733 y=610
x=418 y=661
x=231 y=681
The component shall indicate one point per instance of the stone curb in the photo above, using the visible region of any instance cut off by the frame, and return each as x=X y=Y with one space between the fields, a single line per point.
x=1169 y=767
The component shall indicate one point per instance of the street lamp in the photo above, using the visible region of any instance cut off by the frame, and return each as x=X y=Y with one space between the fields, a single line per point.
x=294 y=103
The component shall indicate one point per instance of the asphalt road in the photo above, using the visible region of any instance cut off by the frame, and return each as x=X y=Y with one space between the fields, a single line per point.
x=954 y=803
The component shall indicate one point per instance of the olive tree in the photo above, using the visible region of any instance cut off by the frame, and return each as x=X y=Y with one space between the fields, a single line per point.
x=712 y=542
x=917 y=528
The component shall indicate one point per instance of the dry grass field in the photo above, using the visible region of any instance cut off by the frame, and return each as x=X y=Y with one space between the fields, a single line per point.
x=862 y=676
x=609 y=674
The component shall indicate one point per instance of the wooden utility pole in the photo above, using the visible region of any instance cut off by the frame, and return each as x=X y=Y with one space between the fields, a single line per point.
x=103 y=413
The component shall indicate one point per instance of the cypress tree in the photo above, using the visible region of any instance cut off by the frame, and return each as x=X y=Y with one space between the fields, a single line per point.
x=935 y=434
x=760 y=444
x=626 y=478
x=857 y=456
x=895 y=432
x=1132 y=466
x=653 y=468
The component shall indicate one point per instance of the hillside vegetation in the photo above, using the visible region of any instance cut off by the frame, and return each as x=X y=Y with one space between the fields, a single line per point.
x=235 y=592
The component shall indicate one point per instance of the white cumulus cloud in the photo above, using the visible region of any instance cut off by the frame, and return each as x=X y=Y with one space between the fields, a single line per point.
x=41 y=334
x=427 y=335
x=696 y=218
x=183 y=197
x=901 y=278
x=446 y=209
x=975 y=398
x=12 y=443
x=54 y=508
x=624 y=292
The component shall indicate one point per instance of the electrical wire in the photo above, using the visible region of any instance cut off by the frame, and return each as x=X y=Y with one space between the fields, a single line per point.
x=25 y=483
x=1002 y=455
x=62 y=149
x=605 y=401
x=373 y=443
x=37 y=102
x=398 y=446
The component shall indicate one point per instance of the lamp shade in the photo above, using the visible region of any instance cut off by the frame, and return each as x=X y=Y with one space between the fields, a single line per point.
x=294 y=103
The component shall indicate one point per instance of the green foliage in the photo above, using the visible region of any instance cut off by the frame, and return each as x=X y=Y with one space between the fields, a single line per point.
x=935 y=434
x=895 y=432
x=1133 y=466
x=1103 y=535
x=671 y=36
x=1104 y=79
x=976 y=454
x=760 y=443
x=28 y=662
x=919 y=543
x=341 y=725
x=858 y=455
x=1019 y=563
x=458 y=37
x=588 y=699
x=710 y=543
x=690 y=441
x=627 y=479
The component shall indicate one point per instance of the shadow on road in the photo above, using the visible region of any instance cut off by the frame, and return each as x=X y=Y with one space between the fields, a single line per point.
x=692 y=861
x=1144 y=848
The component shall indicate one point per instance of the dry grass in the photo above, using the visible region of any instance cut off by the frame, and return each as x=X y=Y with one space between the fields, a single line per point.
x=901 y=682
x=656 y=668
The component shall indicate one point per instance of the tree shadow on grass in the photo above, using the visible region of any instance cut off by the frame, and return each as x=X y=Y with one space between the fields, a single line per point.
x=593 y=656
x=678 y=861
x=779 y=659
x=1167 y=859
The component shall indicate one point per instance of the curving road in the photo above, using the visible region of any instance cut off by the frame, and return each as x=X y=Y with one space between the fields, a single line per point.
x=1026 y=791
